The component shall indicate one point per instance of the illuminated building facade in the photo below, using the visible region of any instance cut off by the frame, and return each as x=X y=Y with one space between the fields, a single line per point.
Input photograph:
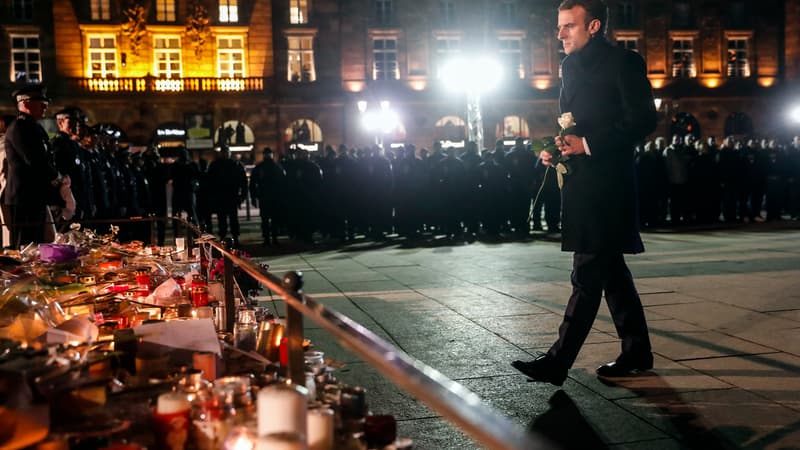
x=300 y=71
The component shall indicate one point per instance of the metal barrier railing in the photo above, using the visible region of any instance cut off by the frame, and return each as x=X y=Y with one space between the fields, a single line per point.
x=449 y=398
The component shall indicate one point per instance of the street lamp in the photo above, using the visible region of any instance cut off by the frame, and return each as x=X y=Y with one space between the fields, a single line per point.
x=794 y=114
x=380 y=122
x=473 y=76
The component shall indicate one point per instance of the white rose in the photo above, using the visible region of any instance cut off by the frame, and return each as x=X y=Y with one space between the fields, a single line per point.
x=566 y=121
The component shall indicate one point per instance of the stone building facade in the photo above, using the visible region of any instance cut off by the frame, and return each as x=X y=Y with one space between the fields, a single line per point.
x=312 y=71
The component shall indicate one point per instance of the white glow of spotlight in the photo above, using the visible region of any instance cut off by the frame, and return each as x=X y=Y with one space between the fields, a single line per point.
x=480 y=74
x=794 y=114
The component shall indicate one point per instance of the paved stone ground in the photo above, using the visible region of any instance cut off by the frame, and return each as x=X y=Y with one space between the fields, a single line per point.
x=723 y=308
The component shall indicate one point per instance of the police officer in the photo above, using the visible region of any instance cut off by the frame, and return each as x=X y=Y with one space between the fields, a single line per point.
x=72 y=159
x=32 y=181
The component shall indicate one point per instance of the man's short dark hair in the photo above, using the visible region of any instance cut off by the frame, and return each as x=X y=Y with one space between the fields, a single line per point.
x=595 y=9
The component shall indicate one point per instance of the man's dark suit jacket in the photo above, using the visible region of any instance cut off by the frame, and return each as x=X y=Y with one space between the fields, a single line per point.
x=31 y=169
x=607 y=91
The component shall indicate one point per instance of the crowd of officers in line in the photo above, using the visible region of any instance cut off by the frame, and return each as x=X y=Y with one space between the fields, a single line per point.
x=696 y=181
x=110 y=184
x=458 y=193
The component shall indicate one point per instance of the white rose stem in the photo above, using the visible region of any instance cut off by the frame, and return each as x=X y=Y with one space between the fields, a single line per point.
x=320 y=429
x=282 y=408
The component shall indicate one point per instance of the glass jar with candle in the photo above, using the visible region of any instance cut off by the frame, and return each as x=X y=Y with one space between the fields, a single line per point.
x=143 y=278
x=245 y=331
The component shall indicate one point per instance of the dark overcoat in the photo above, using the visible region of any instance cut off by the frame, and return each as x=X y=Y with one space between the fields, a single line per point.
x=30 y=165
x=606 y=89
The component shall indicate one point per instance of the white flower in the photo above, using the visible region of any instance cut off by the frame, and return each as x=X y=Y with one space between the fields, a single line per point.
x=566 y=121
x=114 y=229
x=75 y=226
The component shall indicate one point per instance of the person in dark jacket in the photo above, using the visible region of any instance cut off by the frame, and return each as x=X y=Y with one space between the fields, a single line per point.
x=229 y=181
x=268 y=190
x=32 y=181
x=606 y=91
x=72 y=160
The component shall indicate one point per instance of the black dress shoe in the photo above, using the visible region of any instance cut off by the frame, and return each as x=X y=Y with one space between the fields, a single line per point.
x=625 y=366
x=542 y=369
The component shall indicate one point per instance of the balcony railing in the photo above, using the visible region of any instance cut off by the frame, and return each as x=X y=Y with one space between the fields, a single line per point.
x=166 y=85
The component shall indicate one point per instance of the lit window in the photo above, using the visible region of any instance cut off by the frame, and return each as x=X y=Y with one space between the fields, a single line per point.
x=167 y=57
x=298 y=11
x=26 y=64
x=301 y=59
x=683 y=58
x=383 y=12
x=385 y=54
x=507 y=13
x=165 y=10
x=511 y=55
x=102 y=56
x=228 y=11
x=446 y=49
x=738 y=64
x=230 y=57
x=22 y=9
x=447 y=12
x=628 y=43
x=101 y=9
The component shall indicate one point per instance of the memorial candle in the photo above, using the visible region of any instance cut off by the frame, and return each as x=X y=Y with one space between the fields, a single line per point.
x=282 y=408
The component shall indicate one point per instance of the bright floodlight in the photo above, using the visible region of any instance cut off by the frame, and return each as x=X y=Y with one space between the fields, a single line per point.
x=794 y=114
x=383 y=121
x=480 y=74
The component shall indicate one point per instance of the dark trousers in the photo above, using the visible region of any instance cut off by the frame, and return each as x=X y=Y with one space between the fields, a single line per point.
x=25 y=223
x=592 y=275
x=225 y=216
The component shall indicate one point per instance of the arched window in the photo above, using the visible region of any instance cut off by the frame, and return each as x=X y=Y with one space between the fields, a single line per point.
x=303 y=131
x=234 y=133
x=451 y=128
x=512 y=126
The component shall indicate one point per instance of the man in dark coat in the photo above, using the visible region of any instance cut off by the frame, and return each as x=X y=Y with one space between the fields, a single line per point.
x=606 y=89
x=32 y=181
x=72 y=160
x=229 y=181
x=268 y=189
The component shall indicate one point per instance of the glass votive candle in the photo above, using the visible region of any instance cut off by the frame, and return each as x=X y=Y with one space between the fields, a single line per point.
x=240 y=438
x=171 y=420
x=320 y=422
x=282 y=409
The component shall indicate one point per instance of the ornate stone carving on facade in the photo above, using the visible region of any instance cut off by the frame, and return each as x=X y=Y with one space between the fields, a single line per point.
x=197 y=27
x=135 y=27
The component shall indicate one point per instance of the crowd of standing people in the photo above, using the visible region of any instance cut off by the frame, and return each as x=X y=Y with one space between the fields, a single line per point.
x=696 y=181
x=338 y=194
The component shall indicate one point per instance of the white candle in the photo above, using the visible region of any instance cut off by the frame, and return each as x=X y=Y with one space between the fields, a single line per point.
x=320 y=428
x=282 y=409
x=172 y=403
x=282 y=441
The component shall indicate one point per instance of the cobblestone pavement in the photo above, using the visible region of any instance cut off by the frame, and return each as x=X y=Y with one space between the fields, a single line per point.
x=723 y=308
